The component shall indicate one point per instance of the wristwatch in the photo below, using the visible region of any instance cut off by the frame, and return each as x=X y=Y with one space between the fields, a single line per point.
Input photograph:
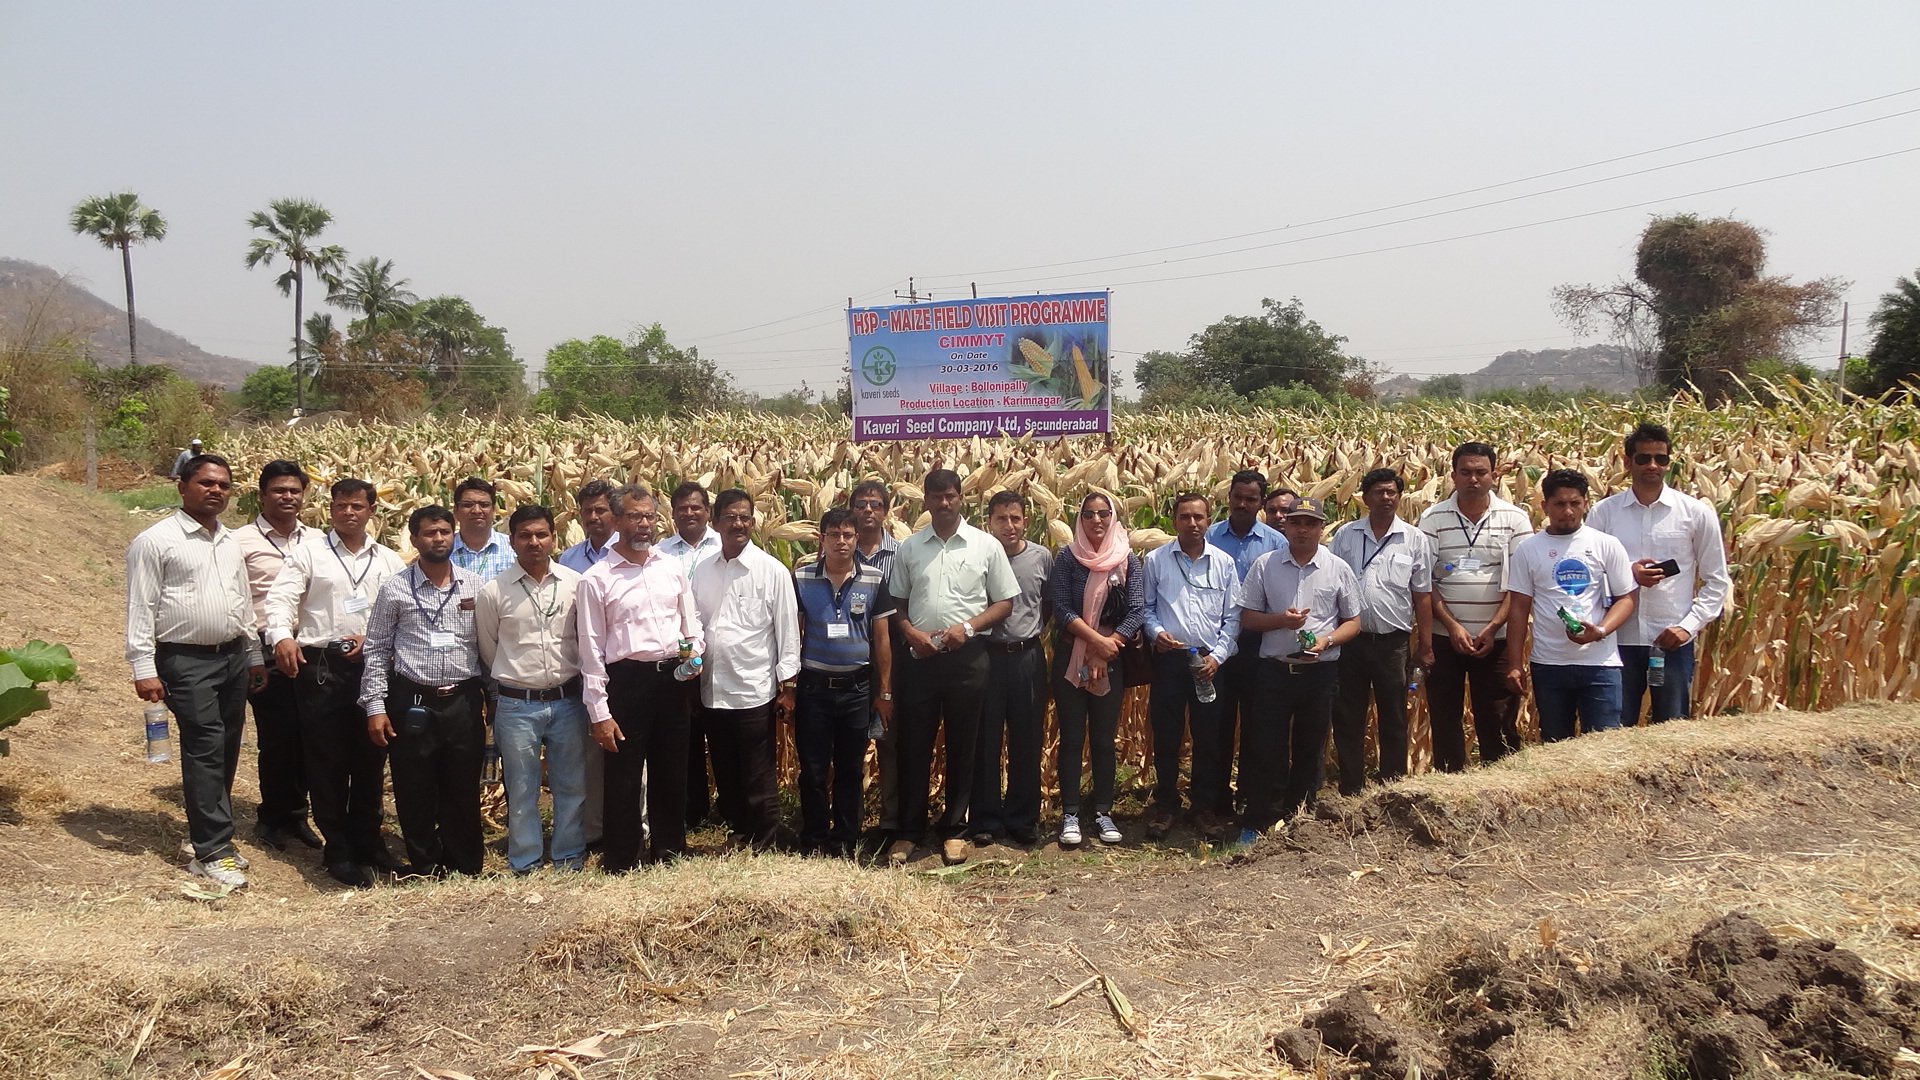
x=968 y=627
x=886 y=697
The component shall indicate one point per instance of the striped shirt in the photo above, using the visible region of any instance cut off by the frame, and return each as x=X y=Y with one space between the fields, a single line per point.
x=186 y=586
x=1470 y=558
x=407 y=618
x=487 y=562
x=857 y=603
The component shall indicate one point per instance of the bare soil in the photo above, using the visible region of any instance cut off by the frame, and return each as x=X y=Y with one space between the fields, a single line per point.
x=1729 y=897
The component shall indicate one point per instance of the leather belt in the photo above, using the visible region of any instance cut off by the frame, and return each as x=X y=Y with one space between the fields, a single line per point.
x=646 y=665
x=568 y=689
x=447 y=691
x=238 y=644
x=843 y=680
x=1013 y=646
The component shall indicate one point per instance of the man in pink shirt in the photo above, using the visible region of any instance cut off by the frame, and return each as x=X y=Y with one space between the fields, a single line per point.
x=637 y=624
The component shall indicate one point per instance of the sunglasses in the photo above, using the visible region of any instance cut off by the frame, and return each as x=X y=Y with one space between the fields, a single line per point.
x=1662 y=460
x=868 y=504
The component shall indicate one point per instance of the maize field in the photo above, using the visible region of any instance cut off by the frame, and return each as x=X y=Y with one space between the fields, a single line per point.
x=1819 y=500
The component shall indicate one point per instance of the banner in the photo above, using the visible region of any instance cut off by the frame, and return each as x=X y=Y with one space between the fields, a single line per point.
x=949 y=369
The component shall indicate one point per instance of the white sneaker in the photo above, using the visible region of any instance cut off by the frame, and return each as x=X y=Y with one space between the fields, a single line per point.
x=225 y=871
x=186 y=848
x=1109 y=832
x=1070 y=831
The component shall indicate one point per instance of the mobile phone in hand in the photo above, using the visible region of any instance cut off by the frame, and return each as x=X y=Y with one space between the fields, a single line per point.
x=1670 y=568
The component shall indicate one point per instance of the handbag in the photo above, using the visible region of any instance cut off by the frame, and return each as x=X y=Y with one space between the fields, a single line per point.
x=1136 y=658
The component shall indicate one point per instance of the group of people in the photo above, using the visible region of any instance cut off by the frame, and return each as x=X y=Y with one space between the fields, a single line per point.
x=650 y=675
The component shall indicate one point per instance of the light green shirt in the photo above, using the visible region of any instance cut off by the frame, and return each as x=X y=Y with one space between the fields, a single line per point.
x=948 y=581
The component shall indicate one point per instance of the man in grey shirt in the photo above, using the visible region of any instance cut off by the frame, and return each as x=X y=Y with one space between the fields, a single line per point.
x=1016 y=697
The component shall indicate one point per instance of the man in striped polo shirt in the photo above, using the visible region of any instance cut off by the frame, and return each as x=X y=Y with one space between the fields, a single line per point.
x=1473 y=532
x=845 y=677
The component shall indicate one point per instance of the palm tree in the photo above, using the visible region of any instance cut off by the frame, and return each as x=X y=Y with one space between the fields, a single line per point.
x=450 y=327
x=1895 y=355
x=370 y=288
x=291 y=226
x=119 y=221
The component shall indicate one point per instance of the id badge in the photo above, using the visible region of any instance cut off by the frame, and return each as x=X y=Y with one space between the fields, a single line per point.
x=354 y=605
x=441 y=639
x=839 y=630
x=1468 y=565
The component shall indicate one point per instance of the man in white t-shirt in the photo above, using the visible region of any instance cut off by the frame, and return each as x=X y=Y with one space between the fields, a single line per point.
x=1559 y=579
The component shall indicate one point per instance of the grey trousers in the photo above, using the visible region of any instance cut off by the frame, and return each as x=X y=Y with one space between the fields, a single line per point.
x=207 y=694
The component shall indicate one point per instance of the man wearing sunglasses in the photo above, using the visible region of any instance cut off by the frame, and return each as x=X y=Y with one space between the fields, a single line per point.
x=1680 y=564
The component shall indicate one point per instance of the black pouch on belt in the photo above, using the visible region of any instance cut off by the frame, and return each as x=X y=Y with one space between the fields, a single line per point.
x=416 y=720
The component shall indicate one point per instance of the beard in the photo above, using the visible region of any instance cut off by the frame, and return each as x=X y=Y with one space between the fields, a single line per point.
x=437 y=560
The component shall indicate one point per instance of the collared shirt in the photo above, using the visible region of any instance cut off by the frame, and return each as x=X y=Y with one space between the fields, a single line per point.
x=1195 y=600
x=854 y=606
x=265 y=549
x=753 y=628
x=486 y=563
x=1585 y=572
x=1325 y=586
x=582 y=556
x=410 y=613
x=1243 y=550
x=327 y=591
x=882 y=555
x=529 y=635
x=186 y=586
x=1470 y=557
x=691 y=555
x=631 y=611
x=943 y=582
x=1680 y=527
x=1032 y=567
x=1390 y=571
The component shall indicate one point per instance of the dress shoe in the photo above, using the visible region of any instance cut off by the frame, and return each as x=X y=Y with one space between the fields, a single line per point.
x=954 y=851
x=302 y=831
x=382 y=859
x=349 y=873
x=900 y=852
x=1159 y=824
x=273 y=836
x=1024 y=837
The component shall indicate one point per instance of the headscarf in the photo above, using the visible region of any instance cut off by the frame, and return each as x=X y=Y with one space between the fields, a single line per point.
x=1101 y=562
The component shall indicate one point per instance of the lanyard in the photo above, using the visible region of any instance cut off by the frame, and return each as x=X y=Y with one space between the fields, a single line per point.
x=1367 y=560
x=348 y=570
x=433 y=620
x=1180 y=563
x=552 y=607
x=277 y=549
x=1473 y=538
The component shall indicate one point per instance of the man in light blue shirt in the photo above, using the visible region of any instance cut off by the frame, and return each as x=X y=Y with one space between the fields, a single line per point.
x=593 y=508
x=1190 y=588
x=479 y=548
x=1244 y=538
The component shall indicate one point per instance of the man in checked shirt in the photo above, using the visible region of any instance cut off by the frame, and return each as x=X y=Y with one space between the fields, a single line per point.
x=422 y=690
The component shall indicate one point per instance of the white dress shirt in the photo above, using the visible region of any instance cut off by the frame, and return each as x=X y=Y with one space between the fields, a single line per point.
x=326 y=591
x=186 y=586
x=1390 y=571
x=690 y=555
x=752 y=619
x=529 y=636
x=1675 y=526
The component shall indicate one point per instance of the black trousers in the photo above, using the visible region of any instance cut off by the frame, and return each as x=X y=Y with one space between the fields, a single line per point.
x=1088 y=722
x=942 y=690
x=1373 y=668
x=830 y=739
x=1012 y=718
x=1286 y=743
x=276 y=720
x=207 y=694
x=651 y=709
x=1174 y=709
x=345 y=770
x=1238 y=686
x=436 y=776
x=741 y=742
x=1496 y=709
x=700 y=788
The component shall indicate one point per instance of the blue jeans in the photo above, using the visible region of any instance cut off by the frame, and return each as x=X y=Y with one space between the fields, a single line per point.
x=520 y=729
x=1564 y=692
x=830 y=739
x=1673 y=701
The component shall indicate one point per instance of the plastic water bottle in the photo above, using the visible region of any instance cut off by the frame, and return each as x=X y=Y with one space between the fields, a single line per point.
x=689 y=668
x=159 y=743
x=1413 y=678
x=1657 y=667
x=1202 y=688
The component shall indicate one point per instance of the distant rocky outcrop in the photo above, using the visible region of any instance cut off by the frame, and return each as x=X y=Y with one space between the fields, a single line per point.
x=27 y=285
x=1606 y=368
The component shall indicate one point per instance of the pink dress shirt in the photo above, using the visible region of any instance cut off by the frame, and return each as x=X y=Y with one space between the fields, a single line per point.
x=631 y=611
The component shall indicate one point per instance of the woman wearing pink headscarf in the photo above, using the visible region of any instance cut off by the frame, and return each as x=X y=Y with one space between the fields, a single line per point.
x=1099 y=606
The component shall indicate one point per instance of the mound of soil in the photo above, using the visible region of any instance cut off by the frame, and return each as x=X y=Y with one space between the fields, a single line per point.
x=1745 y=1003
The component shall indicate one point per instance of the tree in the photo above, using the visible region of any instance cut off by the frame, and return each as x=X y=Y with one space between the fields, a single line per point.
x=291 y=226
x=1226 y=363
x=471 y=368
x=371 y=289
x=267 y=390
x=119 y=221
x=645 y=376
x=1444 y=387
x=1700 y=311
x=1895 y=355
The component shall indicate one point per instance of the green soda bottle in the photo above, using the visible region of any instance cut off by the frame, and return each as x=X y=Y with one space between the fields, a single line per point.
x=1571 y=621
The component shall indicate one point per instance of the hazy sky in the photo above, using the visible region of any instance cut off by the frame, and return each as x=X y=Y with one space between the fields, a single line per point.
x=737 y=171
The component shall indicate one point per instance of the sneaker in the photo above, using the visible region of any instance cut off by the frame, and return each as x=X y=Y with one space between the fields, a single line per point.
x=1109 y=832
x=225 y=871
x=186 y=848
x=900 y=852
x=954 y=852
x=1247 y=839
x=1159 y=824
x=1070 y=831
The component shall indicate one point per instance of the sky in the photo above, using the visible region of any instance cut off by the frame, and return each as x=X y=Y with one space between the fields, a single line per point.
x=737 y=171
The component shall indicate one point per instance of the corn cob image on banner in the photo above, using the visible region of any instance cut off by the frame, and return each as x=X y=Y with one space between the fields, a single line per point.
x=953 y=369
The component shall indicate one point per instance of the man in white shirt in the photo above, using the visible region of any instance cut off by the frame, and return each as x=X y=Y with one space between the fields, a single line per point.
x=1571 y=575
x=747 y=605
x=692 y=542
x=528 y=638
x=316 y=625
x=1394 y=562
x=1663 y=530
x=282 y=814
x=193 y=643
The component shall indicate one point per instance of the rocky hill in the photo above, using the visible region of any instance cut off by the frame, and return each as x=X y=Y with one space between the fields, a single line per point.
x=1606 y=368
x=70 y=308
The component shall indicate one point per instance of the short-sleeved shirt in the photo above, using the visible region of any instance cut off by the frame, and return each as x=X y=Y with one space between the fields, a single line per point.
x=1030 y=569
x=1325 y=586
x=1390 y=571
x=881 y=556
x=1583 y=572
x=943 y=582
x=860 y=600
x=1245 y=549
x=1470 y=558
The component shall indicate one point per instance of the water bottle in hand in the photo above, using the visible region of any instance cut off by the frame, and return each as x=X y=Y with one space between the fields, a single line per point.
x=689 y=669
x=1657 y=667
x=1413 y=678
x=1197 y=660
x=159 y=743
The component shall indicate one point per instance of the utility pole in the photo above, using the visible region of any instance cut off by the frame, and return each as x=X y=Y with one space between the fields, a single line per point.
x=1840 y=374
x=912 y=296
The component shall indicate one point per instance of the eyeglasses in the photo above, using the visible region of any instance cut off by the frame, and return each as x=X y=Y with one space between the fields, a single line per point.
x=868 y=504
x=737 y=519
x=639 y=516
x=1662 y=460
x=1087 y=515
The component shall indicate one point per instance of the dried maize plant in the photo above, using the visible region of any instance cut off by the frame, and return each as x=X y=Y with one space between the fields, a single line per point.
x=1820 y=501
